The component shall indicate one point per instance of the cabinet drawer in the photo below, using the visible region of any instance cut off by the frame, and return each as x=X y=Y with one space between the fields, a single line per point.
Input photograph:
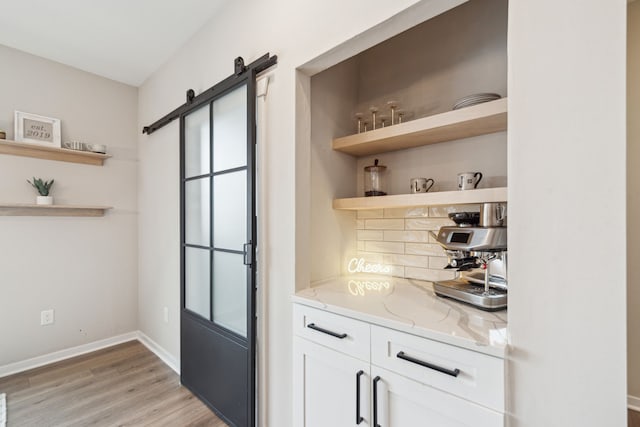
x=341 y=333
x=465 y=373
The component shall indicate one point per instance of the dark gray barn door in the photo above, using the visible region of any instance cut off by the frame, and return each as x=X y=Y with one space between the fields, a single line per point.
x=218 y=247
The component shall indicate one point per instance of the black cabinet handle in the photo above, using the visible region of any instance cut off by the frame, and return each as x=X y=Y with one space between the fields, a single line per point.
x=326 y=331
x=359 y=419
x=403 y=356
x=375 y=401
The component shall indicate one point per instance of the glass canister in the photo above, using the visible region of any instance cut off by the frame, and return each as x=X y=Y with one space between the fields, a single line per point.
x=374 y=180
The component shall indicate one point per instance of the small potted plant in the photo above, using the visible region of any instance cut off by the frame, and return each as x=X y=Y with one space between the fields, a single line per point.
x=43 y=188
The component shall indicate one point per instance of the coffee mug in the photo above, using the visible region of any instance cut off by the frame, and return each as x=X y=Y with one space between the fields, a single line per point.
x=421 y=185
x=469 y=180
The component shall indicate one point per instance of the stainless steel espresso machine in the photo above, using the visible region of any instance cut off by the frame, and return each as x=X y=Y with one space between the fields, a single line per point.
x=477 y=248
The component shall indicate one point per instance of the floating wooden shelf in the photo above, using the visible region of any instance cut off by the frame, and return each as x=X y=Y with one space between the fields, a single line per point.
x=51 y=153
x=481 y=195
x=480 y=119
x=18 y=209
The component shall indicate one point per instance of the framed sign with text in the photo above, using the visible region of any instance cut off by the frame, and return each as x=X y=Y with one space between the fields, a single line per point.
x=35 y=129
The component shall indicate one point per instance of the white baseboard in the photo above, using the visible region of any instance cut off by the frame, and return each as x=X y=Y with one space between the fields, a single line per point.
x=25 y=365
x=35 y=362
x=163 y=354
x=633 y=403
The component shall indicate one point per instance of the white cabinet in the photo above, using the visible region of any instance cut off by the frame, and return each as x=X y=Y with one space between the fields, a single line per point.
x=402 y=402
x=331 y=388
x=347 y=373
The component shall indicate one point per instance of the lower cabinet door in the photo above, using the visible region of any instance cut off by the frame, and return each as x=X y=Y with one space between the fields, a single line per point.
x=402 y=402
x=331 y=389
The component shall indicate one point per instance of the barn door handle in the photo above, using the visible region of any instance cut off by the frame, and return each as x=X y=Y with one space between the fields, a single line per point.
x=247 y=249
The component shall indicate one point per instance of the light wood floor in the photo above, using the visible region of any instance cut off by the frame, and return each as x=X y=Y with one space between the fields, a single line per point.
x=634 y=419
x=124 y=385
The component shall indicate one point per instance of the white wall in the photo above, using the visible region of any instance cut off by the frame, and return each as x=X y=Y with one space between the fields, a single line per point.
x=567 y=184
x=633 y=197
x=332 y=233
x=84 y=268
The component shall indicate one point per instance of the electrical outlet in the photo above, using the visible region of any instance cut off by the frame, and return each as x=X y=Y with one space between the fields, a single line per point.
x=166 y=314
x=46 y=317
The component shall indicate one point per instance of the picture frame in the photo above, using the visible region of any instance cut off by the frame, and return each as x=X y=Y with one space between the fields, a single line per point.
x=36 y=129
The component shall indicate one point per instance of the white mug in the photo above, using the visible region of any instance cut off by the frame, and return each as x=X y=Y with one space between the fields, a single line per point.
x=469 y=180
x=421 y=185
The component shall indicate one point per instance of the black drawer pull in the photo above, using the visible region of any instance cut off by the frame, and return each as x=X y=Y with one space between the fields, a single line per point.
x=403 y=356
x=359 y=419
x=326 y=331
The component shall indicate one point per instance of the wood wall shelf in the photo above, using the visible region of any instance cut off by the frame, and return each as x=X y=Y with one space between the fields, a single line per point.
x=51 y=153
x=480 y=119
x=482 y=195
x=19 y=209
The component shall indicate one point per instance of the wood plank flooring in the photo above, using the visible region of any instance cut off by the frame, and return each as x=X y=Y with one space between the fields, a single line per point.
x=634 y=418
x=124 y=385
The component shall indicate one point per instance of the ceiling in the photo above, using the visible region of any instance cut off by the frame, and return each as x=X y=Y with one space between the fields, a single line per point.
x=123 y=40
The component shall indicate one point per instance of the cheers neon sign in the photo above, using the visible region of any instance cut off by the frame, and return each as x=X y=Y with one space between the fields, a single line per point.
x=358 y=265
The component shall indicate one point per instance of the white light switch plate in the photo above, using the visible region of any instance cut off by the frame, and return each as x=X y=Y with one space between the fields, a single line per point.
x=46 y=317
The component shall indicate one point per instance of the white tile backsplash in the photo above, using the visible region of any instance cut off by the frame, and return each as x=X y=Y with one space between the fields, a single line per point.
x=395 y=213
x=384 y=224
x=400 y=239
x=370 y=235
x=370 y=257
x=371 y=213
x=428 y=274
x=444 y=211
x=406 y=260
x=432 y=249
x=437 y=262
x=426 y=223
x=404 y=236
x=384 y=247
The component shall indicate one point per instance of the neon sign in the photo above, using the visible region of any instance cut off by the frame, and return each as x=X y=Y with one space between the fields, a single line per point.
x=358 y=265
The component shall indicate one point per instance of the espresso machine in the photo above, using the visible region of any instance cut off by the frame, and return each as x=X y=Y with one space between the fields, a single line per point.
x=476 y=248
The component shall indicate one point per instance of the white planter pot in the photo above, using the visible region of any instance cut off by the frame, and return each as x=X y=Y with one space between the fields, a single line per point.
x=44 y=200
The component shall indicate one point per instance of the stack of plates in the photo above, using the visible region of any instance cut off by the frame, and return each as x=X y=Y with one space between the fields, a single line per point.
x=477 y=98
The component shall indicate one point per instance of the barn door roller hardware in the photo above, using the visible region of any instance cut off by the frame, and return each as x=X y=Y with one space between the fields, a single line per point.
x=259 y=65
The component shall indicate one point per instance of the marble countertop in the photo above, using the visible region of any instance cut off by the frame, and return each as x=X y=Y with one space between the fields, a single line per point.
x=410 y=306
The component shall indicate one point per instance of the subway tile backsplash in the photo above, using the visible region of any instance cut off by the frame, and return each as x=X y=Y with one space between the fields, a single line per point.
x=400 y=238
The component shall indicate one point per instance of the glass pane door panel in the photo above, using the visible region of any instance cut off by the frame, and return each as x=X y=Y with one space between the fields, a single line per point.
x=197 y=207
x=230 y=210
x=197 y=279
x=197 y=157
x=230 y=130
x=230 y=292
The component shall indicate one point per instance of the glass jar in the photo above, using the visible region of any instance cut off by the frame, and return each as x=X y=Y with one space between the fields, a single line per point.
x=374 y=180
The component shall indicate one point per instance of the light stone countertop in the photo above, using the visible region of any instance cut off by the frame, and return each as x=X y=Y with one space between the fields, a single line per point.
x=410 y=306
